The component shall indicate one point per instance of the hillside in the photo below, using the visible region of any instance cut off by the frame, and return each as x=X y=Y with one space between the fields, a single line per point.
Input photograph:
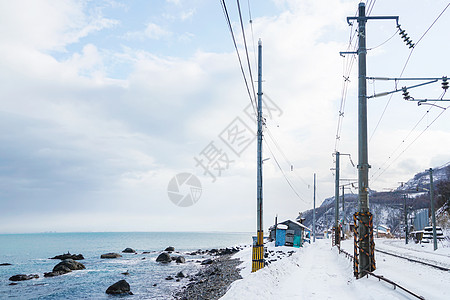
x=388 y=207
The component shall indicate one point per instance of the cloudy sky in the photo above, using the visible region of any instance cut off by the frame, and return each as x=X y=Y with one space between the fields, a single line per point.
x=102 y=103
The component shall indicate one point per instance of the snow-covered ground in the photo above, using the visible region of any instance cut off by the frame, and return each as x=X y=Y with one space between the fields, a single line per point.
x=318 y=271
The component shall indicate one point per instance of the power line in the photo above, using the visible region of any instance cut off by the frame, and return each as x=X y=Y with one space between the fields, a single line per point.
x=246 y=50
x=423 y=131
x=404 y=67
x=284 y=175
x=227 y=17
x=285 y=157
x=251 y=27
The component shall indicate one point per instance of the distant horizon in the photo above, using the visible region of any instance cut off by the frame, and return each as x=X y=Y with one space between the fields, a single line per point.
x=58 y=232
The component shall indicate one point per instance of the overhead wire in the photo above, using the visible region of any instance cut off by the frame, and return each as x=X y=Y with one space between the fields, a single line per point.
x=277 y=145
x=284 y=174
x=423 y=131
x=426 y=113
x=246 y=50
x=253 y=36
x=227 y=17
x=404 y=67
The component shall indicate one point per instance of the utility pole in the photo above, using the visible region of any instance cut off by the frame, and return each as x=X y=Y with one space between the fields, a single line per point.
x=314 y=211
x=433 y=217
x=406 y=219
x=258 y=249
x=363 y=164
x=336 y=206
x=366 y=261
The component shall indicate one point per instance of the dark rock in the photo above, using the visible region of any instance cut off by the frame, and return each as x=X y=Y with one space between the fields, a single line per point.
x=173 y=258
x=120 y=287
x=13 y=283
x=5 y=264
x=22 y=277
x=143 y=258
x=170 y=248
x=180 y=275
x=110 y=255
x=126 y=273
x=213 y=251
x=169 y=278
x=129 y=250
x=181 y=260
x=207 y=261
x=146 y=252
x=164 y=257
x=68 y=255
x=53 y=274
x=68 y=265
x=155 y=284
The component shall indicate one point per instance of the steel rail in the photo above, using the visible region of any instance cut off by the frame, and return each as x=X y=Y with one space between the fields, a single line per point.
x=414 y=260
x=381 y=277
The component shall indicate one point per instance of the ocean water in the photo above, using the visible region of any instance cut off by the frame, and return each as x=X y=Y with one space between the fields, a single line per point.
x=29 y=253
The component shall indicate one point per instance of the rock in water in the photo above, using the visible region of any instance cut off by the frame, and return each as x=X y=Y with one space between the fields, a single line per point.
x=21 y=277
x=110 y=255
x=120 y=287
x=5 y=264
x=164 y=257
x=181 y=260
x=170 y=248
x=129 y=250
x=68 y=264
x=68 y=255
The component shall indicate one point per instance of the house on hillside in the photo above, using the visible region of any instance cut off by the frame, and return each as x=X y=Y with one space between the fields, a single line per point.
x=289 y=233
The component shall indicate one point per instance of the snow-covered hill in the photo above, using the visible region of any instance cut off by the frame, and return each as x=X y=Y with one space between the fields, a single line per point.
x=387 y=207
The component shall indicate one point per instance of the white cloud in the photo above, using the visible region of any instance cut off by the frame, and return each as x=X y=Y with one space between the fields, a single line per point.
x=74 y=134
x=48 y=25
x=152 y=31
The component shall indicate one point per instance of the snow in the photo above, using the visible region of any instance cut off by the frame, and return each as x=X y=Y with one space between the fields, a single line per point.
x=318 y=271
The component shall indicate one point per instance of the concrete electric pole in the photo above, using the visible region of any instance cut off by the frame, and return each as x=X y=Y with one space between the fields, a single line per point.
x=433 y=216
x=365 y=261
x=314 y=210
x=336 y=241
x=258 y=249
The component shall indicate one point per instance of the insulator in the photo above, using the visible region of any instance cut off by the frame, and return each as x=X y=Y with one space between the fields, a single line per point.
x=444 y=83
x=412 y=46
x=405 y=94
x=404 y=36
x=409 y=43
x=407 y=40
x=401 y=32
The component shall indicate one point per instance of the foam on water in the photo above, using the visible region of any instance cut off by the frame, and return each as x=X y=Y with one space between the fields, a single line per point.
x=29 y=254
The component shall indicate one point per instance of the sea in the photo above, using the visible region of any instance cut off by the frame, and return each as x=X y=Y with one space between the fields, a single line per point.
x=30 y=253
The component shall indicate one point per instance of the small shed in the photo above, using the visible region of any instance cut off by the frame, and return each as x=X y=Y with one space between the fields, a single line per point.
x=290 y=233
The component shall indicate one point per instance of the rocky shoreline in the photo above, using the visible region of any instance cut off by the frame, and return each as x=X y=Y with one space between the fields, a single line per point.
x=213 y=281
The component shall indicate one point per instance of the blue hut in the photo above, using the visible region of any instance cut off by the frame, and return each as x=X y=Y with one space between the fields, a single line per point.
x=290 y=233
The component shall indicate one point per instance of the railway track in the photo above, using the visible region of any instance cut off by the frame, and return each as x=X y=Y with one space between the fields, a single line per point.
x=414 y=260
x=381 y=277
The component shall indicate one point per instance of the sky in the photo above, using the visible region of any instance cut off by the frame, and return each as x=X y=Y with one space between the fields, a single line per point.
x=104 y=103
